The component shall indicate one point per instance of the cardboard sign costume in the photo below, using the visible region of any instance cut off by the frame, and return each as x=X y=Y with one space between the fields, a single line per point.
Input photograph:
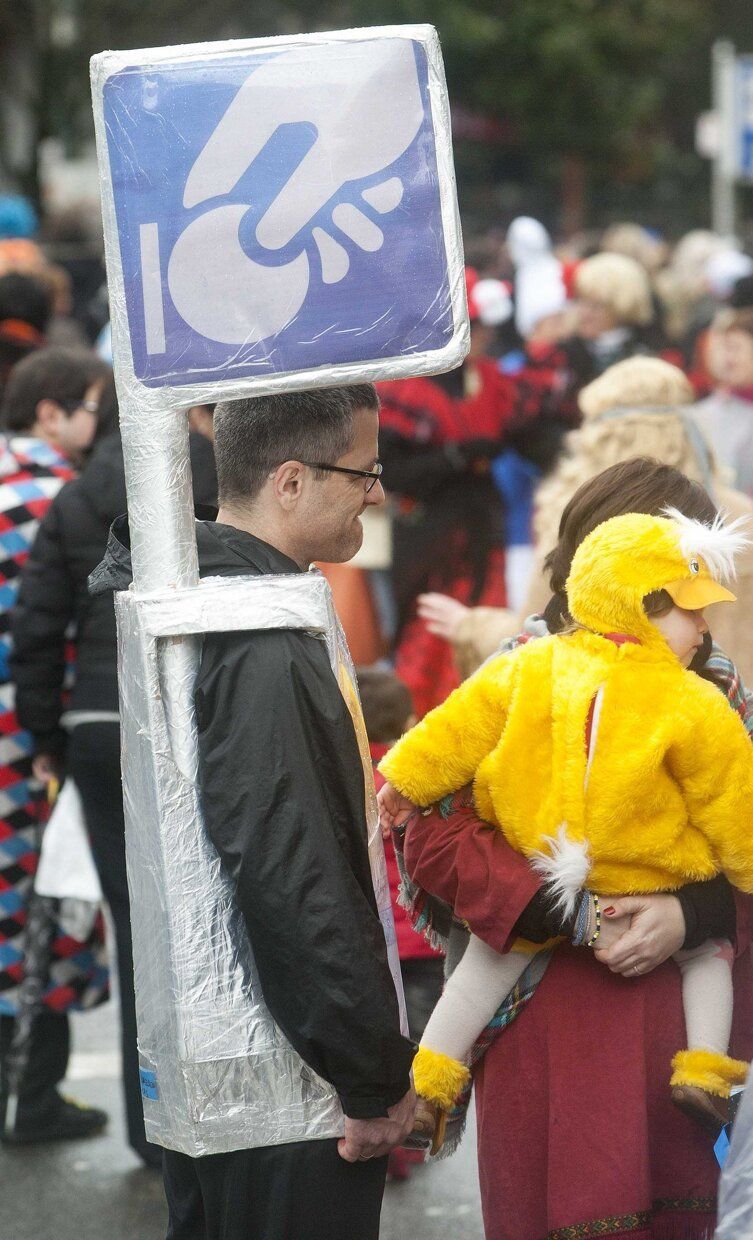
x=279 y=214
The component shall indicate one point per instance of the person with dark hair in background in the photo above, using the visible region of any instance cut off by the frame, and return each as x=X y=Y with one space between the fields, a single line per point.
x=25 y=313
x=282 y=788
x=77 y=732
x=49 y=413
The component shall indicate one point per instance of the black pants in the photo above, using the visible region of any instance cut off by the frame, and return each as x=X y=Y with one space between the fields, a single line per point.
x=94 y=765
x=303 y=1191
x=46 y=1067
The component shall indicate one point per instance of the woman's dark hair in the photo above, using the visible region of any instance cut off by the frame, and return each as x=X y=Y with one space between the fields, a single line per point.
x=637 y=485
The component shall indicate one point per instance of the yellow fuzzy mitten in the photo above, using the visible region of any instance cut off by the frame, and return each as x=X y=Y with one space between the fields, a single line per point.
x=438 y=1077
x=708 y=1070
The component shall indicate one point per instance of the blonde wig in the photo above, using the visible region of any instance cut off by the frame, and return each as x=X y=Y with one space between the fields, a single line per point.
x=636 y=382
x=619 y=283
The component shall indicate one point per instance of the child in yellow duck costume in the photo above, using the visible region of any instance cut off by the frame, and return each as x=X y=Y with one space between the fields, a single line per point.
x=611 y=766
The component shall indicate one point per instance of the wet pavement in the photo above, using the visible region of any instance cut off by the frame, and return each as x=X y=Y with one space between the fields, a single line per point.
x=98 y=1189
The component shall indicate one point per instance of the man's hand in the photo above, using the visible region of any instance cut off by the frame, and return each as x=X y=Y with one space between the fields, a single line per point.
x=394 y=808
x=657 y=931
x=373 y=1138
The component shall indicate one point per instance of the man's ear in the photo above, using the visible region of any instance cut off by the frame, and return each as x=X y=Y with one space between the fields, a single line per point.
x=287 y=483
x=48 y=415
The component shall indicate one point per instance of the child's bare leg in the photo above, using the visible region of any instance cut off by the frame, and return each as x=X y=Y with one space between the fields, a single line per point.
x=471 y=997
x=707 y=995
x=704 y=1072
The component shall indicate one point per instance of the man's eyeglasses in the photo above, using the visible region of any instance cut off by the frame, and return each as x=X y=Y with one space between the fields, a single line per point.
x=373 y=475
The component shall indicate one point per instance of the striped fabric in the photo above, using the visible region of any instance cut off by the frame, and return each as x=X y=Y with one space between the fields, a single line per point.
x=31 y=474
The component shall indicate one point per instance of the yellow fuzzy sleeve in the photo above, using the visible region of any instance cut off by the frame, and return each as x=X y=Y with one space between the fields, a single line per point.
x=713 y=763
x=443 y=752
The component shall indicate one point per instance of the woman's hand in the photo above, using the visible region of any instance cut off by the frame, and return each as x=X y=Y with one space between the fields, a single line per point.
x=441 y=613
x=394 y=808
x=656 y=932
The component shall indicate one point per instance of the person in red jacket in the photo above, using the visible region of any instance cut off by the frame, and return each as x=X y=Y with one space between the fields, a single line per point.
x=437 y=438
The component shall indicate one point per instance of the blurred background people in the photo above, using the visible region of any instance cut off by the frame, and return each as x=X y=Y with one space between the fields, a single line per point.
x=639 y=407
x=437 y=439
x=49 y=414
x=726 y=416
x=75 y=727
x=25 y=313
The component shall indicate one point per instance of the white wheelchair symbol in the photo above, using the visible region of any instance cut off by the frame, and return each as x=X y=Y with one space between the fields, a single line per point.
x=365 y=103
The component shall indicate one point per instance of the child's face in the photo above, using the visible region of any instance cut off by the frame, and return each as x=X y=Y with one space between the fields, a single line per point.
x=683 y=631
x=731 y=358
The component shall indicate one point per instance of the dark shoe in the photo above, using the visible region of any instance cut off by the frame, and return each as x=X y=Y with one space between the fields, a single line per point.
x=708 y=1110
x=69 y=1121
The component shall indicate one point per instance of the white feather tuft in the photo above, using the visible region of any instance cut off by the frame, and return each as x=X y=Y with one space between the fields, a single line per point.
x=716 y=544
x=565 y=868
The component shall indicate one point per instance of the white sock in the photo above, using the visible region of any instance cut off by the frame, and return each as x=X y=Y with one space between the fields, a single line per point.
x=471 y=997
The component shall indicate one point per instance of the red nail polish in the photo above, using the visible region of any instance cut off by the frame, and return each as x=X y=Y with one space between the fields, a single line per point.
x=609 y=912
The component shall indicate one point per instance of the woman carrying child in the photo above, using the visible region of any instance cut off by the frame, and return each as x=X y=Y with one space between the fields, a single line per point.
x=577 y=1131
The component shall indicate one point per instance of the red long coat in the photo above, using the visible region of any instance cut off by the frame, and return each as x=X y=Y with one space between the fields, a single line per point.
x=577 y=1136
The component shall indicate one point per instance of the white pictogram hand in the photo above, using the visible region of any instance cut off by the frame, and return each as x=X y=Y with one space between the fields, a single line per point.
x=365 y=103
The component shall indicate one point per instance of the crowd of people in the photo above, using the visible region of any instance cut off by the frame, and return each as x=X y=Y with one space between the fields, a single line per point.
x=606 y=376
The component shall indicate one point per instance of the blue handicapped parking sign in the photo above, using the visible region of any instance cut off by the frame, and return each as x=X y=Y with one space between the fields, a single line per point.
x=280 y=209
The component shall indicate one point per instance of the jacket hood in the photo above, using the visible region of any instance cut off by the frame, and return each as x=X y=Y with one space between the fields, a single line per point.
x=630 y=556
x=223 y=552
x=103 y=478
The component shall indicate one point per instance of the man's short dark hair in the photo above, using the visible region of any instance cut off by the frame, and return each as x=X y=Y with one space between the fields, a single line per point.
x=252 y=437
x=58 y=374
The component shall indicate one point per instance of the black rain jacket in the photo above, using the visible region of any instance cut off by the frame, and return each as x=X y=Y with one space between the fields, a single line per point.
x=283 y=800
x=53 y=599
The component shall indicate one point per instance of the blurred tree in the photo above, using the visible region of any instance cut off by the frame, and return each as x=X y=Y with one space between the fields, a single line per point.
x=594 y=93
x=587 y=82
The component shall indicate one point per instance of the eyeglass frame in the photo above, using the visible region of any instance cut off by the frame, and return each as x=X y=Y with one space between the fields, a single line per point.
x=72 y=406
x=374 y=474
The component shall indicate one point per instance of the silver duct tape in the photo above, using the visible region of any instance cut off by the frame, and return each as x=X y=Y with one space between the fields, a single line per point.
x=447 y=299
x=217 y=1073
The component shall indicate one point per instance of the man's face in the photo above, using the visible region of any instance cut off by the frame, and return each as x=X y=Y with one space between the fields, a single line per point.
x=329 y=515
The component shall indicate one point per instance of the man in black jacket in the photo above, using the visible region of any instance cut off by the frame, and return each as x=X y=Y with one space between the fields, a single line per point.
x=283 y=800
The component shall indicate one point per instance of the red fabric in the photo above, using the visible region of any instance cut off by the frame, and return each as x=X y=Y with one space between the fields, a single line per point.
x=410 y=945
x=483 y=415
x=421 y=411
x=575 y=1124
x=426 y=663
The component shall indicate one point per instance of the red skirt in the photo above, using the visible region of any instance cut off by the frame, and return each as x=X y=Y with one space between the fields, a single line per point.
x=577 y=1135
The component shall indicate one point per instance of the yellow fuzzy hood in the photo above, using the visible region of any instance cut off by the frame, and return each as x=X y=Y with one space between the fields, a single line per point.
x=630 y=556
